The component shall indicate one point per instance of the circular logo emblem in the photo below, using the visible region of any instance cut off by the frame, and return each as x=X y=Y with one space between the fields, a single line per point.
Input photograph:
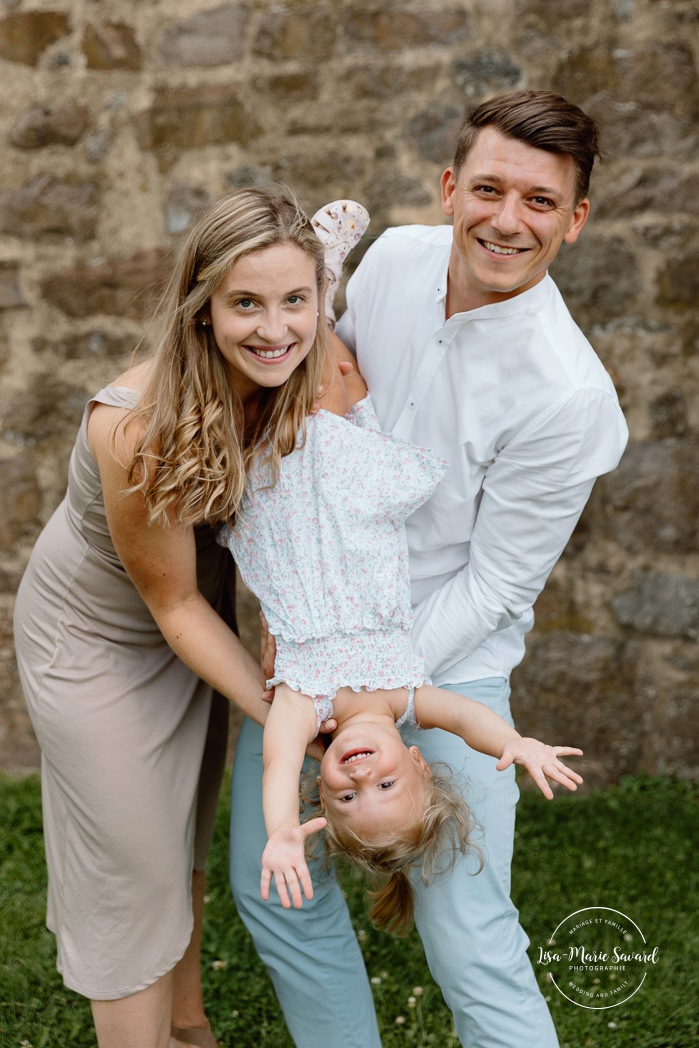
x=597 y=957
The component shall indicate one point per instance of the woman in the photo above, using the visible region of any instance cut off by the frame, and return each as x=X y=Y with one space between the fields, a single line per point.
x=119 y=630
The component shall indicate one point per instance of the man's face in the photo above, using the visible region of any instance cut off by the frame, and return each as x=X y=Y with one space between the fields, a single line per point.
x=513 y=206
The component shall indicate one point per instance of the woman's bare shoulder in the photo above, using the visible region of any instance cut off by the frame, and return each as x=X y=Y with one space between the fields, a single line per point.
x=136 y=377
x=104 y=420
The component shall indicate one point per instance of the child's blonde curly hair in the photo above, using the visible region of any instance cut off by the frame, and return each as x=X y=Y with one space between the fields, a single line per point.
x=429 y=847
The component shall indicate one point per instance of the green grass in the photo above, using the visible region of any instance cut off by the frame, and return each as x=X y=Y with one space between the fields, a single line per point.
x=632 y=849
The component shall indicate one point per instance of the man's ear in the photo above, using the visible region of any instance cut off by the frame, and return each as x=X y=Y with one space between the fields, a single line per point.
x=447 y=185
x=579 y=219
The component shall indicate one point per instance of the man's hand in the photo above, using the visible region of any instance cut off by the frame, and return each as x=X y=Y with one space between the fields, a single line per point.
x=347 y=385
x=541 y=761
x=335 y=397
x=268 y=653
x=284 y=859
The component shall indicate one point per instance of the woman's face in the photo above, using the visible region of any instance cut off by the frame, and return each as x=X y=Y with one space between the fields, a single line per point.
x=264 y=315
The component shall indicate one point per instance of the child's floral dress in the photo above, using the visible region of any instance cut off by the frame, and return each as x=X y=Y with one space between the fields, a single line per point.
x=325 y=551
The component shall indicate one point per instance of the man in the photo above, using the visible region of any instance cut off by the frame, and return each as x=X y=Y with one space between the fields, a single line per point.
x=467 y=348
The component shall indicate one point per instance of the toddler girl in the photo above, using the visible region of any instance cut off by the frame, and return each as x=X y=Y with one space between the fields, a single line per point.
x=324 y=549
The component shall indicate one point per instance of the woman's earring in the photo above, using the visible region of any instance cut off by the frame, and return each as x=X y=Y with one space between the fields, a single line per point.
x=204 y=323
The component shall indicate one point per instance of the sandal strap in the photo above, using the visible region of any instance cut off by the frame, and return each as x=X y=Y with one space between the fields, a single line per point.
x=197 y=1035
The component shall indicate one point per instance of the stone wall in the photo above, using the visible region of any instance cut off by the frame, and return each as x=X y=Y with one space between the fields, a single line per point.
x=120 y=118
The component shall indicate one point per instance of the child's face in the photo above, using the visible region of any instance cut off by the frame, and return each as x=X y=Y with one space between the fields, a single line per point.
x=371 y=782
x=264 y=318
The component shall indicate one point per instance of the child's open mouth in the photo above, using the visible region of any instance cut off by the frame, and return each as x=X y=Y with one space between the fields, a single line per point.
x=355 y=755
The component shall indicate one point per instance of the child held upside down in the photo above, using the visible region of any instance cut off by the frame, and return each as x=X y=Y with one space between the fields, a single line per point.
x=324 y=549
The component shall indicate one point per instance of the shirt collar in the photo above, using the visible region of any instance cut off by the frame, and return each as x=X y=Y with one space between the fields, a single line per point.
x=525 y=302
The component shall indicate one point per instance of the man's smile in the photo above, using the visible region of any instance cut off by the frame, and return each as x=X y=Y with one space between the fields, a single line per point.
x=498 y=249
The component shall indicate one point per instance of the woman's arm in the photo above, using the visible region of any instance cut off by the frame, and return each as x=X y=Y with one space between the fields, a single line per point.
x=485 y=731
x=289 y=728
x=161 y=563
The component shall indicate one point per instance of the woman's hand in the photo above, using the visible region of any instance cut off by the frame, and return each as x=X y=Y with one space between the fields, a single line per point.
x=285 y=860
x=542 y=763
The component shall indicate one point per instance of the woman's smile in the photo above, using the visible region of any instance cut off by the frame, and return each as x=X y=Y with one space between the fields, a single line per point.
x=269 y=352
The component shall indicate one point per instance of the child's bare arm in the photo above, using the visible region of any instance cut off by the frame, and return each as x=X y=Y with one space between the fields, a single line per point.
x=477 y=725
x=485 y=731
x=289 y=728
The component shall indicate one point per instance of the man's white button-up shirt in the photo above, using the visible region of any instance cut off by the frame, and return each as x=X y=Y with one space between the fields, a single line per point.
x=517 y=401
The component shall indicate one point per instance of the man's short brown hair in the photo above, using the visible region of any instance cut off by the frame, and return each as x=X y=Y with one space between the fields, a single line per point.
x=540 y=119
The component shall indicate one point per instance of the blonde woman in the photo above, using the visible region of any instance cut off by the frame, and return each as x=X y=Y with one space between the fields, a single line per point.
x=122 y=632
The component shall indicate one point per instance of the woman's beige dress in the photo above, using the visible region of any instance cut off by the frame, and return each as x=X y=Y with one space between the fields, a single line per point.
x=132 y=745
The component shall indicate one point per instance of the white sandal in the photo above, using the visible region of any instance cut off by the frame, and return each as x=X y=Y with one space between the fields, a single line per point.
x=339 y=226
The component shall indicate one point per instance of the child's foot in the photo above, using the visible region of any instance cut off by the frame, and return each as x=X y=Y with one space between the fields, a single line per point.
x=338 y=226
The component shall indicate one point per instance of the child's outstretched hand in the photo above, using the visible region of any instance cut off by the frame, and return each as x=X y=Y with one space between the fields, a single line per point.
x=541 y=761
x=284 y=859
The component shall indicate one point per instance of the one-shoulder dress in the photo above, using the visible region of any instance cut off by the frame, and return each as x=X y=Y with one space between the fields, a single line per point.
x=132 y=745
x=325 y=551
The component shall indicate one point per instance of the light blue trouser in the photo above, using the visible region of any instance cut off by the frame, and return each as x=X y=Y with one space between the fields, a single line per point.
x=475 y=947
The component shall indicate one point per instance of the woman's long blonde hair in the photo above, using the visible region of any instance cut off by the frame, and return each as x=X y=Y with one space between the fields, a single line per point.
x=191 y=459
